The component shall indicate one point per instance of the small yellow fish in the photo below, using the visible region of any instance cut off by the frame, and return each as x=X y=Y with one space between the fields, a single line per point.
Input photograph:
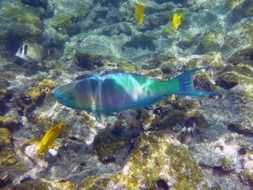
x=176 y=20
x=139 y=13
x=49 y=137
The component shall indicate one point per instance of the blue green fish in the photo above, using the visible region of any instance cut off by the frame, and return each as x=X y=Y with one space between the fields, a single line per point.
x=107 y=94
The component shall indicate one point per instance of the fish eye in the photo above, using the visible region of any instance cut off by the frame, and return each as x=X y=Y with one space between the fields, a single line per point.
x=25 y=49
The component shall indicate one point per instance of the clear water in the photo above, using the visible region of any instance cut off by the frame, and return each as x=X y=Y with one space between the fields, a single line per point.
x=49 y=43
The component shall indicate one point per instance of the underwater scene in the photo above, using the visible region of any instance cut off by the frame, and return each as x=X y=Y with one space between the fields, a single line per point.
x=126 y=94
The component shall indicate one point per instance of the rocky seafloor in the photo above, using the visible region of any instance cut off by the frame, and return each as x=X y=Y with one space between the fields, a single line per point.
x=180 y=143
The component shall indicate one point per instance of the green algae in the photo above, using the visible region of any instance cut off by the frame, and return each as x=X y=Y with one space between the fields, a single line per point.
x=109 y=144
x=94 y=183
x=249 y=176
x=9 y=122
x=182 y=110
x=184 y=168
x=232 y=4
x=63 y=23
x=226 y=164
x=210 y=41
x=150 y=159
x=35 y=184
x=4 y=137
x=36 y=92
x=214 y=60
x=127 y=67
x=232 y=77
x=156 y=157
x=22 y=17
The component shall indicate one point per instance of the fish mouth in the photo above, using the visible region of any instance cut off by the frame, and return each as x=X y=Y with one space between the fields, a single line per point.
x=57 y=94
x=62 y=95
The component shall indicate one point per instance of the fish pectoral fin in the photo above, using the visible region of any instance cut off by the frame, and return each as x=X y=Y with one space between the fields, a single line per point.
x=99 y=116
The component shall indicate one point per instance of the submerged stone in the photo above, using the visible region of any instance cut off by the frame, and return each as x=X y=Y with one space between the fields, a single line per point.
x=18 y=23
x=241 y=9
x=158 y=156
x=211 y=41
x=36 y=184
x=239 y=75
x=89 y=61
x=115 y=145
x=64 y=24
x=38 y=92
x=37 y=3
x=9 y=122
x=5 y=138
x=140 y=41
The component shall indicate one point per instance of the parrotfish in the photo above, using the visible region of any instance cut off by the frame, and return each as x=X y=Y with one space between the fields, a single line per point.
x=107 y=94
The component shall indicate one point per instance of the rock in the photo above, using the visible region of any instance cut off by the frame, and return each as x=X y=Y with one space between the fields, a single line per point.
x=249 y=175
x=9 y=123
x=227 y=80
x=241 y=9
x=33 y=97
x=240 y=129
x=214 y=60
x=18 y=23
x=203 y=82
x=4 y=179
x=89 y=61
x=155 y=158
x=237 y=76
x=38 y=3
x=247 y=165
x=103 y=46
x=7 y=154
x=7 y=159
x=5 y=138
x=167 y=66
x=126 y=66
x=181 y=110
x=93 y=182
x=115 y=145
x=226 y=164
x=141 y=41
x=3 y=97
x=38 y=92
x=211 y=41
x=64 y=24
x=161 y=185
x=220 y=163
x=35 y=184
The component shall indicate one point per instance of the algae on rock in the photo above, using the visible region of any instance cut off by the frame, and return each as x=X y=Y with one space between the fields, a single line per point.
x=18 y=23
x=158 y=156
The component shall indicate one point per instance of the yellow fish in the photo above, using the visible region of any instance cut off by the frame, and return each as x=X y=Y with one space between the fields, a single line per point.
x=176 y=20
x=49 y=138
x=139 y=13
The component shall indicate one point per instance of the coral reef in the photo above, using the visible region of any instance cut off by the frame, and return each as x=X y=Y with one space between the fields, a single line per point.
x=18 y=23
x=177 y=143
x=155 y=158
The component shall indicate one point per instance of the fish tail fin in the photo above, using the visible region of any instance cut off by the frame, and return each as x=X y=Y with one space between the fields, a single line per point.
x=185 y=85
